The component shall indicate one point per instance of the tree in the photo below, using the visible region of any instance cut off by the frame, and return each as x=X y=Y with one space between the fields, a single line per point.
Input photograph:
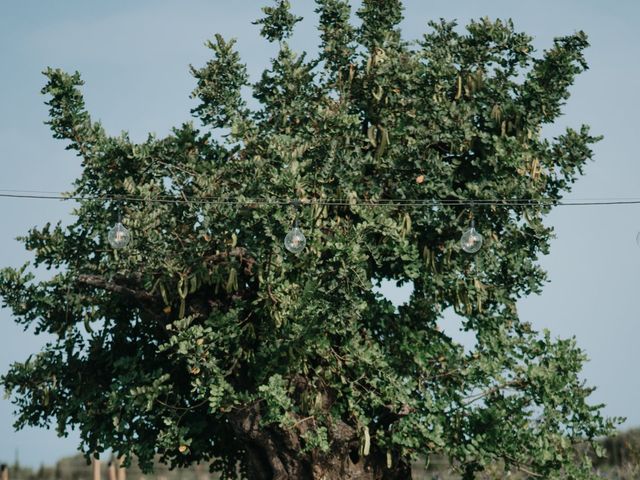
x=205 y=340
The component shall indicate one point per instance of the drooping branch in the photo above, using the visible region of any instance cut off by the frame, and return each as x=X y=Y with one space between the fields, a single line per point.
x=100 y=282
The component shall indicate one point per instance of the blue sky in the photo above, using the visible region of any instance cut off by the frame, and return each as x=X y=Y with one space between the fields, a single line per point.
x=134 y=57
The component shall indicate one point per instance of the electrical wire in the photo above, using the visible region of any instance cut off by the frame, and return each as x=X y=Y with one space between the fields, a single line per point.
x=505 y=202
x=417 y=203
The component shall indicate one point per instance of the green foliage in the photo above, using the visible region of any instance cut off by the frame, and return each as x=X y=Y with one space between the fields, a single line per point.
x=379 y=21
x=337 y=34
x=279 y=21
x=219 y=86
x=204 y=336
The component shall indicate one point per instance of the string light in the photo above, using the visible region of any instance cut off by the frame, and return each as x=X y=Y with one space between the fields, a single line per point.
x=472 y=240
x=119 y=236
x=295 y=240
x=418 y=203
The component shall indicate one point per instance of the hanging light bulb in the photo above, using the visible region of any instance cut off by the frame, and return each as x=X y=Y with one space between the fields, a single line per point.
x=471 y=240
x=119 y=236
x=295 y=240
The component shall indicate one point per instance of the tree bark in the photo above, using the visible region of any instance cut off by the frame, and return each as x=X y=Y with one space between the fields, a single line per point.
x=277 y=454
x=284 y=465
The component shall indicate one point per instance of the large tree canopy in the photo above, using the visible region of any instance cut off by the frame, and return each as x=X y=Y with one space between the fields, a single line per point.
x=205 y=340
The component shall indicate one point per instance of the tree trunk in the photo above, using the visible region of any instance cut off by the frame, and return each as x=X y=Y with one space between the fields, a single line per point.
x=276 y=454
x=329 y=466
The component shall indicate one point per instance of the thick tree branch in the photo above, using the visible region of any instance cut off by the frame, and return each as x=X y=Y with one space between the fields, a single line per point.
x=100 y=282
